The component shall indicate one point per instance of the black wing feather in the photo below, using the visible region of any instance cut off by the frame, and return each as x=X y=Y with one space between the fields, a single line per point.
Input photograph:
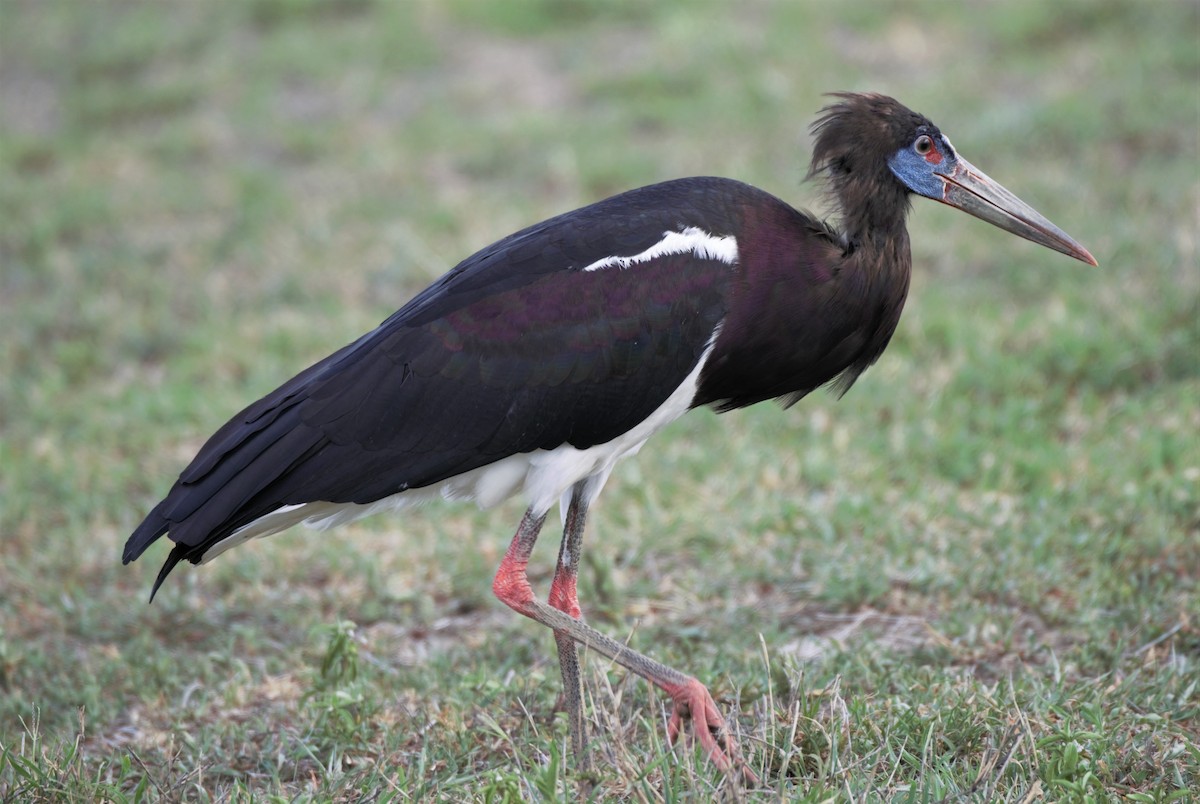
x=515 y=349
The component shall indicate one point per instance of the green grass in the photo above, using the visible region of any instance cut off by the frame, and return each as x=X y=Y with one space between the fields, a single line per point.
x=975 y=577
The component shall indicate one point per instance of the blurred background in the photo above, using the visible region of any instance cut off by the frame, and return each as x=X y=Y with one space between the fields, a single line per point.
x=988 y=549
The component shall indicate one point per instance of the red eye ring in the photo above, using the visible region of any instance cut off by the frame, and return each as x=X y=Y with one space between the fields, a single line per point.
x=923 y=145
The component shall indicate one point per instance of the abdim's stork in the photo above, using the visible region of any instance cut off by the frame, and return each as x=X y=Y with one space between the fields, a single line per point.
x=536 y=364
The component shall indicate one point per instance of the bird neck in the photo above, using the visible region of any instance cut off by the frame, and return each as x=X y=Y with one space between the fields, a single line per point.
x=874 y=219
x=888 y=253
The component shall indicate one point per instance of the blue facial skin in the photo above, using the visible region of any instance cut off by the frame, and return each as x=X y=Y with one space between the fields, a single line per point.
x=919 y=175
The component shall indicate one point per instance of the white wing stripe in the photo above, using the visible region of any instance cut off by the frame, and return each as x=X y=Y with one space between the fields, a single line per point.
x=691 y=240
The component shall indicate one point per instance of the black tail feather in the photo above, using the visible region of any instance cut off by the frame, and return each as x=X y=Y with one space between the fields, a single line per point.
x=153 y=526
x=177 y=554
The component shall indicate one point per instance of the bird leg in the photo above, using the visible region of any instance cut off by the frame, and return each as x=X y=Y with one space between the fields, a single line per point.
x=563 y=597
x=691 y=698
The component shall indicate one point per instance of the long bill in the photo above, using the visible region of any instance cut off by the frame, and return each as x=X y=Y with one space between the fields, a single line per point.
x=970 y=189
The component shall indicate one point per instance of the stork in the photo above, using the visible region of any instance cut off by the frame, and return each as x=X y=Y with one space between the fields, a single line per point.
x=535 y=365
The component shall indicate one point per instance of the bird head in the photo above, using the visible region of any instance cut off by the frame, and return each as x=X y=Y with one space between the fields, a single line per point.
x=875 y=153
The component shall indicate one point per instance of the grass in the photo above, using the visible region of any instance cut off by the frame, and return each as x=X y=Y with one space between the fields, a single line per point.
x=975 y=577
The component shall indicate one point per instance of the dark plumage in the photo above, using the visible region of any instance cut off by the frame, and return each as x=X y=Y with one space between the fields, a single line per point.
x=536 y=364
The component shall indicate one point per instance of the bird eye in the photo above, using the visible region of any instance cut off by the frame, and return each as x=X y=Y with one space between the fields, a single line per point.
x=923 y=145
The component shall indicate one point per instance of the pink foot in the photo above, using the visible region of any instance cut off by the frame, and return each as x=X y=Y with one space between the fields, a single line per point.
x=693 y=702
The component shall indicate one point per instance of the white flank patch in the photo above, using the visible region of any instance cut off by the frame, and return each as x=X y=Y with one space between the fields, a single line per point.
x=543 y=477
x=691 y=240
